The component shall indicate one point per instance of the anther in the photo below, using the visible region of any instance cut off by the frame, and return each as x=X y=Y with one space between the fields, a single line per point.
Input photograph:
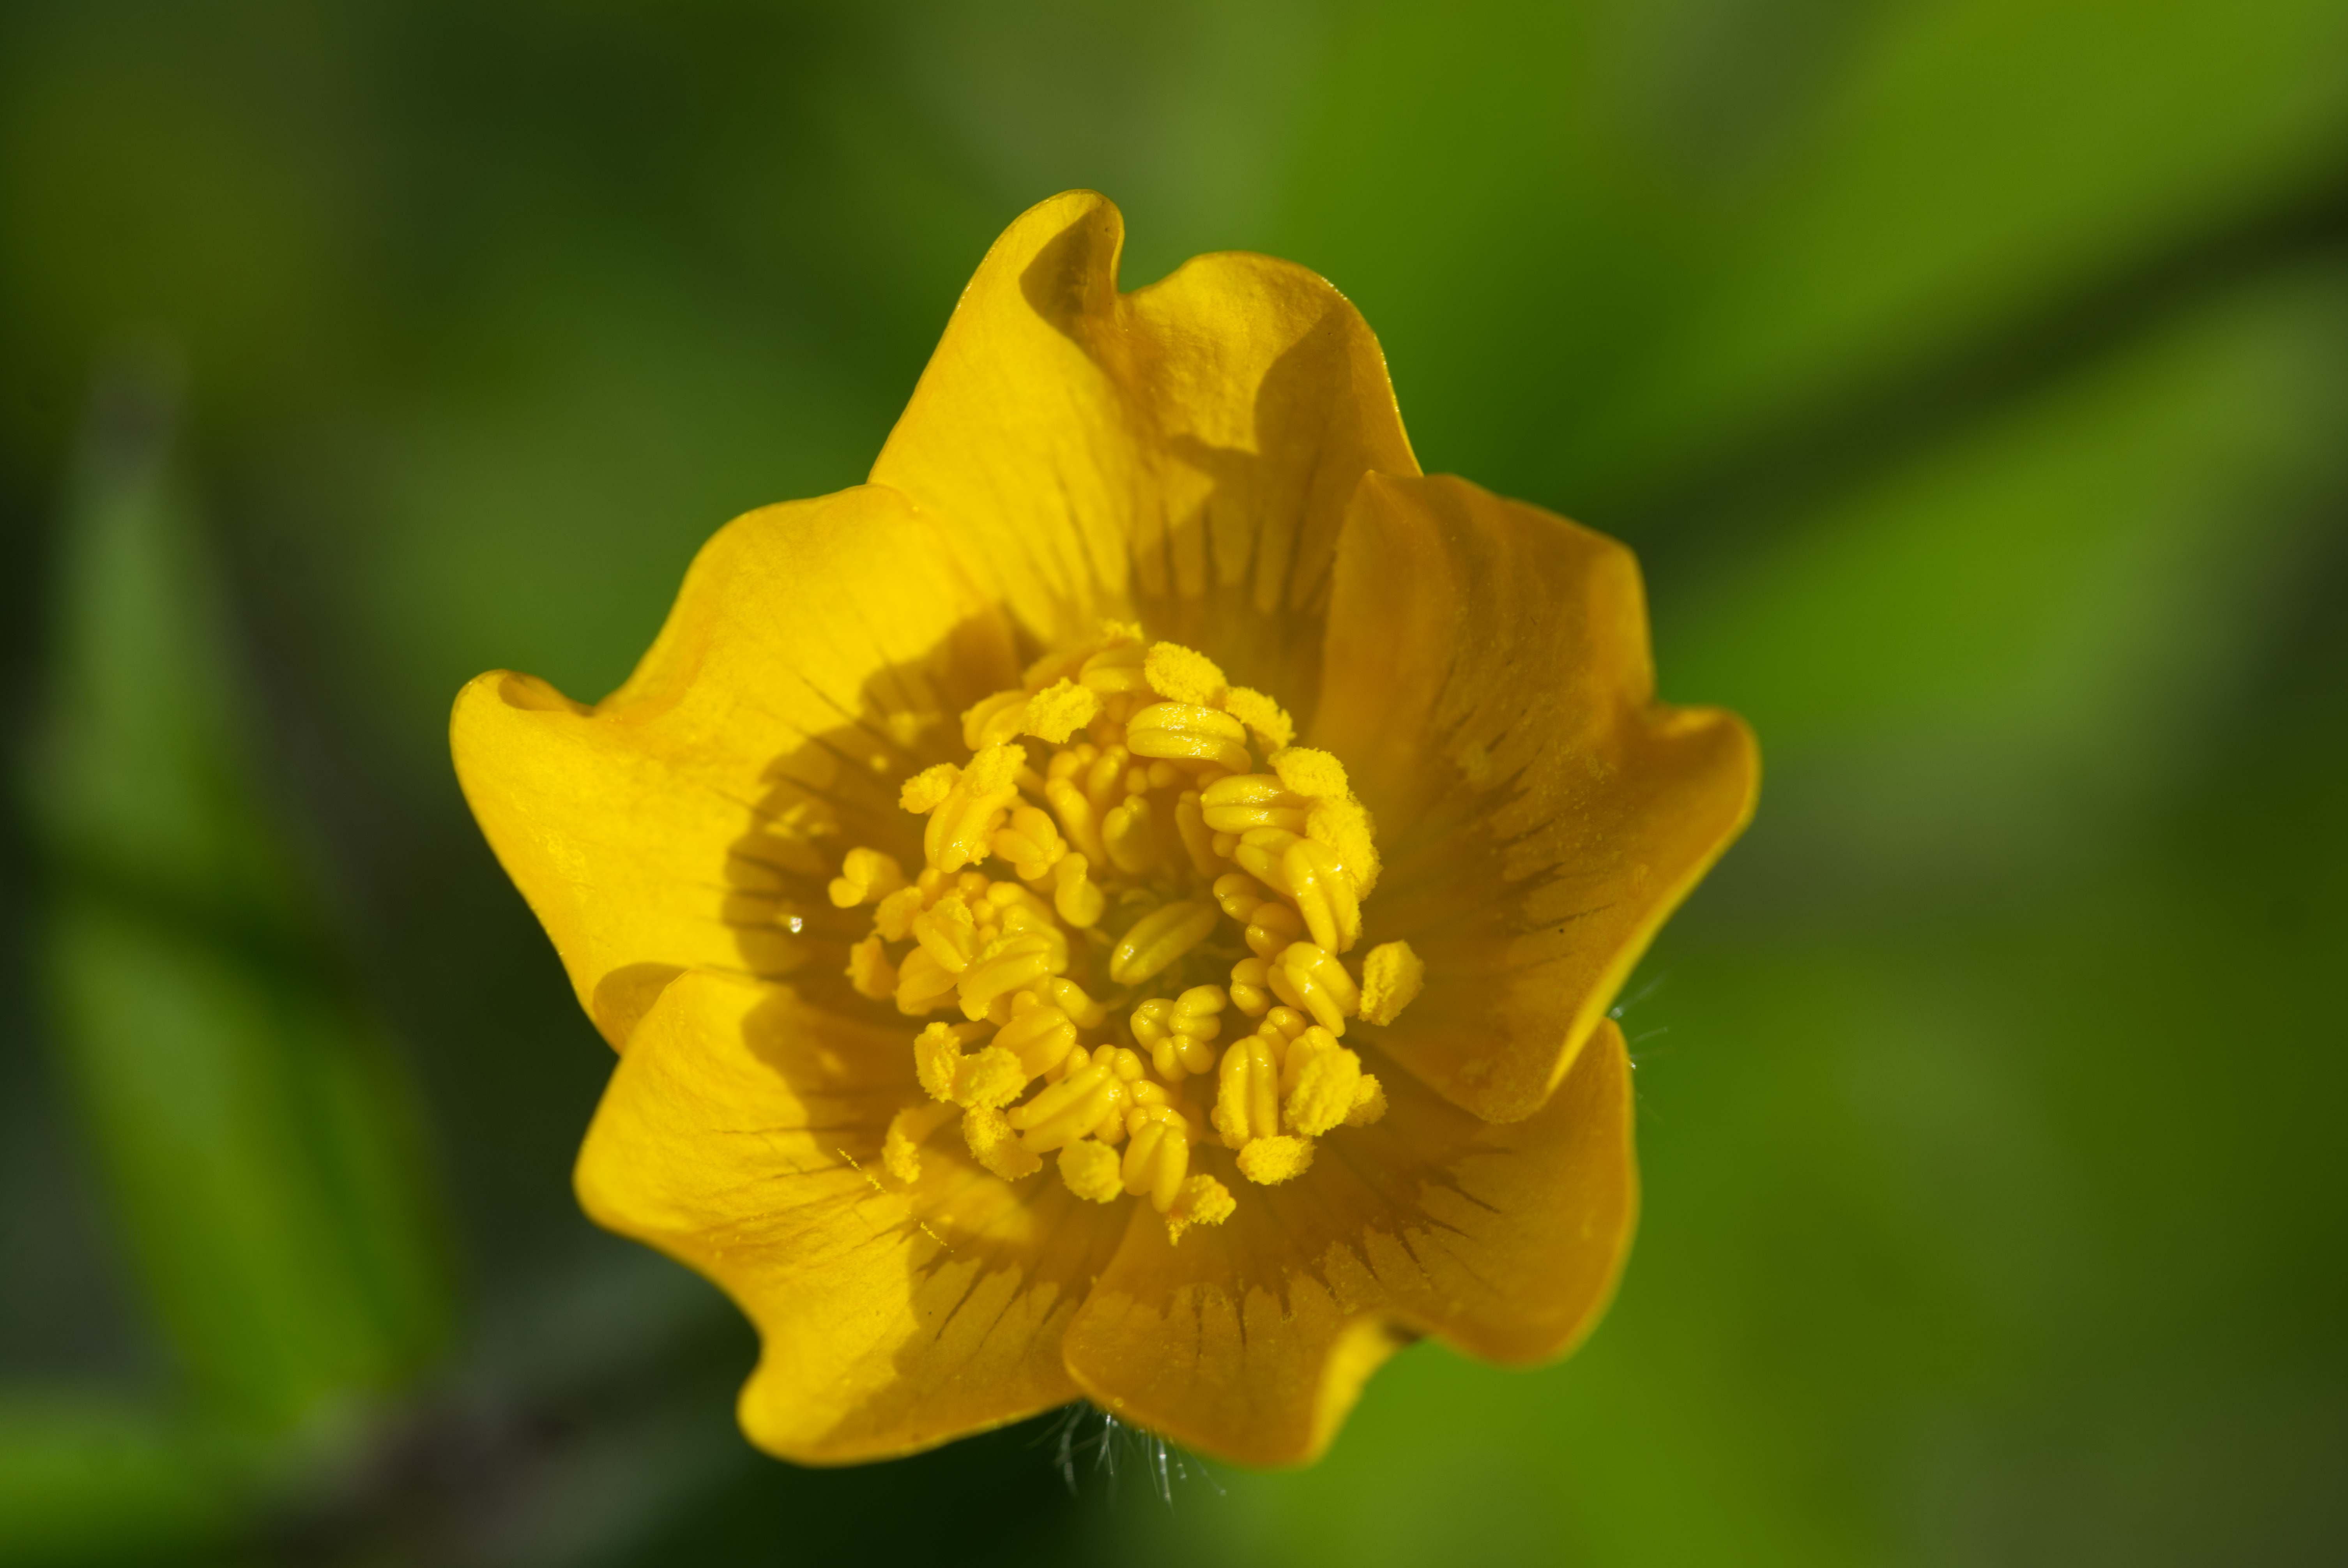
x=1203 y=1201
x=1039 y=1034
x=901 y=1150
x=1067 y=1110
x=1183 y=731
x=1114 y=670
x=1311 y=979
x=1323 y=893
x=1126 y=833
x=1271 y=927
x=993 y=720
x=1237 y=893
x=870 y=970
x=1262 y=852
x=1012 y=964
x=1247 y=1096
x=1158 y=1158
x=1159 y=937
x=866 y=877
x=1317 y=1080
x=1253 y=800
x=1076 y=818
x=1031 y=843
x=892 y=921
x=948 y=935
x=1091 y=1171
x=961 y=825
x=1197 y=842
x=1105 y=781
x=938 y=1056
x=995 y=1145
x=1075 y=898
x=1070 y=999
x=922 y=983
x=1270 y=1160
x=1391 y=976
x=1251 y=982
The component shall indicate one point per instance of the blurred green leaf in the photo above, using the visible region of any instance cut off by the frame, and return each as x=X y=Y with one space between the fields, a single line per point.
x=256 y=1133
x=2014 y=639
x=90 y=1478
x=1693 y=228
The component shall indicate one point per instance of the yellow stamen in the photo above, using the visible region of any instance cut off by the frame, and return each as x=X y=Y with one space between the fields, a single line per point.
x=1323 y=893
x=1039 y=1034
x=993 y=720
x=1158 y=1157
x=997 y=1147
x=1311 y=979
x=1253 y=800
x=866 y=877
x=1031 y=842
x=1267 y=1161
x=1316 y=1082
x=1247 y=1096
x=1159 y=937
x=1184 y=731
x=1250 y=977
x=922 y=983
x=1126 y=833
x=870 y=970
x=1011 y=964
x=1391 y=976
x=1069 y=1108
x=1271 y=927
x=1203 y=1201
x=901 y=1151
x=1177 y=674
x=1061 y=711
x=1116 y=670
x=1076 y=815
x=1238 y=895
x=1171 y=807
x=1075 y=896
x=1091 y=1171
x=1270 y=727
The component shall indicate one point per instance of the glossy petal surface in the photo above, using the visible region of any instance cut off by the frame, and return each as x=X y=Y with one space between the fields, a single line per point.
x=740 y=1135
x=1490 y=685
x=1185 y=452
x=1252 y=1339
x=817 y=653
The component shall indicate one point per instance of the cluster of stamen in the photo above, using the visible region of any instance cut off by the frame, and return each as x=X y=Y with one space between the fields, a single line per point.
x=1148 y=882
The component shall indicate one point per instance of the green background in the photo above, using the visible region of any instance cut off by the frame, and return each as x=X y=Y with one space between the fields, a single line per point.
x=1971 y=375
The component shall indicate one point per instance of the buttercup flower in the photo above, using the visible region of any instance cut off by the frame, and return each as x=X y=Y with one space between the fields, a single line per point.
x=1124 y=904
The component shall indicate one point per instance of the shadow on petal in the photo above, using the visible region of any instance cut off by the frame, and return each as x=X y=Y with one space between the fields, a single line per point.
x=1489 y=684
x=1252 y=1341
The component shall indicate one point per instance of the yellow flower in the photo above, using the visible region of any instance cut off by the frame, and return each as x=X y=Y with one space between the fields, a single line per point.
x=1125 y=904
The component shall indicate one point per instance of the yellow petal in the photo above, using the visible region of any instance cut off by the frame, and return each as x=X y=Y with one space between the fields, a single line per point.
x=1489 y=686
x=744 y=1134
x=815 y=658
x=1251 y=1340
x=1185 y=451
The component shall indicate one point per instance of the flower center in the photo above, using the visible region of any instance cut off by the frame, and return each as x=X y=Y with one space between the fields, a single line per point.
x=1111 y=877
